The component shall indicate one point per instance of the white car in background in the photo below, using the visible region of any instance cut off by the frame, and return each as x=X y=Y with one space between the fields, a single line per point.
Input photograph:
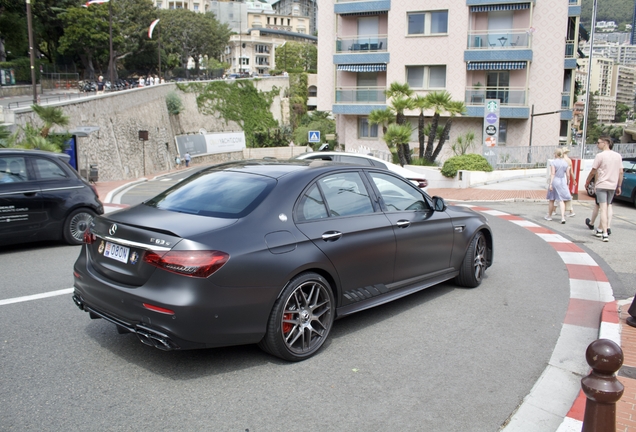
x=418 y=179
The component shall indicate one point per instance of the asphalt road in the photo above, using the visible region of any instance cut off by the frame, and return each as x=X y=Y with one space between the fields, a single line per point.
x=444 y=359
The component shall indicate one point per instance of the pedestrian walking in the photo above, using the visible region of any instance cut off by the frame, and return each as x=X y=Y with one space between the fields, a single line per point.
x=187 y=159
x=607 y=168
x=560 y=175
x=177 y=161
x=610 y=210
x=569 y=211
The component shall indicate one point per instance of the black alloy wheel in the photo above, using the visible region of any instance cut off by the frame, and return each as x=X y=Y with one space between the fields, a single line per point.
x=475 y=263
x=76 y=225
x=301 y=319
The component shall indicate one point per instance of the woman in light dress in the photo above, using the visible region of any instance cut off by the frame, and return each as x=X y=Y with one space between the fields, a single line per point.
x=558 y=190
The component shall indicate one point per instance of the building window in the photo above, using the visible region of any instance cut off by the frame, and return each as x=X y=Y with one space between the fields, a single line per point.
x=426 y=77
x=428 y=23
x=312 y=91
x=158 y=5
x=503 y=131
x=365 y=130
x=244 y=61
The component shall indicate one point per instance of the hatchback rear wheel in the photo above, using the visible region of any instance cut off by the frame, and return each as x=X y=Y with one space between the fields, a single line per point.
x=301 y=319
x=76 y=225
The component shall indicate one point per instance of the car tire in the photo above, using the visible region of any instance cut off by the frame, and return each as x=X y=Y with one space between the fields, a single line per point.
x=76 y=224
x=590 y=189
x=301 y=318
x=475 y=263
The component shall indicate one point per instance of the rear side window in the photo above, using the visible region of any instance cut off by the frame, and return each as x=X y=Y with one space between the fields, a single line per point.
x=48 y=170
x=345 y=194
x=13 y=169
x=223 y=194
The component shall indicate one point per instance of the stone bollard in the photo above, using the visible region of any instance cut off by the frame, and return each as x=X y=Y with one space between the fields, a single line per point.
x=601 y=386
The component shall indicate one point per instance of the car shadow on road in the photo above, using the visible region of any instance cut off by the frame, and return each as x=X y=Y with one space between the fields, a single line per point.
x=194 y=364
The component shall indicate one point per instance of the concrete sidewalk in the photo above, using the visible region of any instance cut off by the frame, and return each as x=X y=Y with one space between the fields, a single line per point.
x=614 y=320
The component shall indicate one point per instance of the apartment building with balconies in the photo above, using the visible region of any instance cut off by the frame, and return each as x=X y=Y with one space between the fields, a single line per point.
x=623 y=78
x=520 y=52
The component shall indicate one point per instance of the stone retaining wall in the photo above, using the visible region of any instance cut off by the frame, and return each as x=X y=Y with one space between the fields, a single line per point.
x=116 y=148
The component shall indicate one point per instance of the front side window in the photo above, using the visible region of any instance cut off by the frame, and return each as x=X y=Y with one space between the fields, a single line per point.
x=426 y=77
x=427 y=23
x=365 y=130
x=397 y=194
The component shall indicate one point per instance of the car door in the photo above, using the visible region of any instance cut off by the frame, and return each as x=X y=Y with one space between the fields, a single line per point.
x=338 y=215
x=424 y=237
x=58 y=186
x=629 y=179
x=20 y=199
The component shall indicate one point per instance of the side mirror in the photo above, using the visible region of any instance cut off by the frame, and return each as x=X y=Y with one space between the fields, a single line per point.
x=439 y=204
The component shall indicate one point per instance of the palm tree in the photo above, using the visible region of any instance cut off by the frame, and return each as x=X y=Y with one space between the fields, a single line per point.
x=399 y=104
x=439 y=102
x=32 y=137
x=382 y=117
x=397 y=89
x=51 y=116
x=422 y=103
x=398 y=135
x=455 y=108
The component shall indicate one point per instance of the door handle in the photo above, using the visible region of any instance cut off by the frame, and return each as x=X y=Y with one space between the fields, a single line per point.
x=29 y=194
x=403 y=223
x=331 y=236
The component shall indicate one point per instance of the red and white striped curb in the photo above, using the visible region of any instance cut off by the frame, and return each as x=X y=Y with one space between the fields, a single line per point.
x=556 y=401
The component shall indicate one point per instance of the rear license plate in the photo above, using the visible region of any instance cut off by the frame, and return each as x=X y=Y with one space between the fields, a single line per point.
x=116 y=252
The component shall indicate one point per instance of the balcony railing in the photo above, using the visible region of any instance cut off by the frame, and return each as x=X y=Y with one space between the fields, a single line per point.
x=569 y=49
x=574 y=2
x=506 y=39
x=509 y=96
x=362 y=43
x=361 y=95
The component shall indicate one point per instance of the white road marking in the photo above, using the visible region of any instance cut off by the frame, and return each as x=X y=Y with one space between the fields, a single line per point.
x=36 y=296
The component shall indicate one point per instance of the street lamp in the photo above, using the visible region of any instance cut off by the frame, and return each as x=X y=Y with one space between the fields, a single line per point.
x=532 y=116
x=31 y=51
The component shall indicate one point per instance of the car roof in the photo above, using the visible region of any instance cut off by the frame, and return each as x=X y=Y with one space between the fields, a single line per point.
x=404 y=172
x=274 y=168
x=17 y=151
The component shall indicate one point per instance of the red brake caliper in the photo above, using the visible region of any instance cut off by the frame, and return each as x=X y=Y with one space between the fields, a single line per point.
x=287 y=327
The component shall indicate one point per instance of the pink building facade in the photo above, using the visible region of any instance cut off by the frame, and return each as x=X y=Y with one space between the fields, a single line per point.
x=520 y=52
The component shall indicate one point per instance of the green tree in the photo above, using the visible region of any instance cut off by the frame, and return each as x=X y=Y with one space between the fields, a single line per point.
x=188 y=34
x=441 y=102
x=621 y=112
x=463 y=143
x=423 y=104
x=382 y=117
x=13 y=35
x=296 y=56
x=398 y=135
x=314 y=121
x=32 y=136
x=400 y=100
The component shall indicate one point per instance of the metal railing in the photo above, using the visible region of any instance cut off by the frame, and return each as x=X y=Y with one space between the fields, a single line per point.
x=509 y=157
x=360 y=95
x=362 y=43
x=509 y=96
x=569 y=49
x=506 y=39
x=565 y=100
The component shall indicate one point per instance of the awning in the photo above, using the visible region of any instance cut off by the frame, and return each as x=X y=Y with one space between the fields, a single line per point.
x=363 y=68
x=511 y=65
x=500 y=7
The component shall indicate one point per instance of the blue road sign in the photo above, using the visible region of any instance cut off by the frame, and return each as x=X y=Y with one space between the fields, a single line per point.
x=314 y=136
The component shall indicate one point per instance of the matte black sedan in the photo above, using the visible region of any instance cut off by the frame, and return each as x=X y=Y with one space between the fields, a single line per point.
x=43 y=198
x=271 y=252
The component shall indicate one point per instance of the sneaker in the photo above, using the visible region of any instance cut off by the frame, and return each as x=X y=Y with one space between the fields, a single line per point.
x=598 y=233
x=605 y=238
x=547 y=218
x=589 y=225
x=563 y=221
x=609 y=231
x=571 y=214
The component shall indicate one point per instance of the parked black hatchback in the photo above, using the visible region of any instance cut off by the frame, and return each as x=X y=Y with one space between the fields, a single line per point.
x=43 y=198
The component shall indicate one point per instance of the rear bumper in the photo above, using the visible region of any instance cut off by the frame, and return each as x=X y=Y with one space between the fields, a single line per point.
x=146 y=335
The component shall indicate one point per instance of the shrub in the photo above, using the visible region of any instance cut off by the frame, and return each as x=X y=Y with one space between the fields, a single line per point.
x=174 y=103
x=467 y=162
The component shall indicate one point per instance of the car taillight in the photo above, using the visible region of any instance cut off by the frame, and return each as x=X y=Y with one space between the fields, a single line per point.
x=89 y=237
x=188 y=263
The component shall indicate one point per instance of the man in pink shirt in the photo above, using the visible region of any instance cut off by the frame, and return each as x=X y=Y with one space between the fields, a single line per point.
x=608 y=170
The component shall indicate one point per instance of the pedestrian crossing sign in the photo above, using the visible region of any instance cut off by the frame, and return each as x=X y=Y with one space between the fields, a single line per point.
x=314 y=136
